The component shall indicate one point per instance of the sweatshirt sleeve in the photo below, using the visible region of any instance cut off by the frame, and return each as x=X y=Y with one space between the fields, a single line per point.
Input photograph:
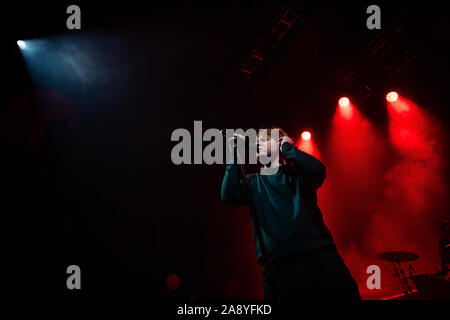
x=310 y=168
x=233 y=188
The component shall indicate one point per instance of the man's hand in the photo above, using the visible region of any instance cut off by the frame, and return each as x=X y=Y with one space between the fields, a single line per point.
x=231 y=141
x=285 y=139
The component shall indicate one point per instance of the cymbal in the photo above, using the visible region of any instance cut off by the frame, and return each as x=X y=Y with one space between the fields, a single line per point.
x=398 y=256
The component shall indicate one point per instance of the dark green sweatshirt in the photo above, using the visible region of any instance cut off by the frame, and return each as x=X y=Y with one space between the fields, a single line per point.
x=285 y=204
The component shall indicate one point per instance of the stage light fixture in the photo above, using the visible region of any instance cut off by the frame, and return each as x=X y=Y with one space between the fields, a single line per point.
x=21 y=44
x=306 y=135
x=344 y=102
x=173 y=281
x=392 y=96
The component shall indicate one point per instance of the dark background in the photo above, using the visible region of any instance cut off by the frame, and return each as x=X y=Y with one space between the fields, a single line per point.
x=86 y=168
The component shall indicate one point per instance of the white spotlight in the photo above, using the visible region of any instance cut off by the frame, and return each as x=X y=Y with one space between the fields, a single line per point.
x=21 y=44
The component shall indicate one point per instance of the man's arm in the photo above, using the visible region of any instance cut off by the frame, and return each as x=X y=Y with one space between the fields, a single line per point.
x=233 y=188
x=311 y=169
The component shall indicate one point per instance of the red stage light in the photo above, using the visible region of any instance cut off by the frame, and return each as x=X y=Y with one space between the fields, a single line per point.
x=172 y=281
x=306 y=135
x=344 y=102
x=392 y=96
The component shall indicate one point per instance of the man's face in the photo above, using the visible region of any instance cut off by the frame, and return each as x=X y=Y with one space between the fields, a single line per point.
x=266 y=146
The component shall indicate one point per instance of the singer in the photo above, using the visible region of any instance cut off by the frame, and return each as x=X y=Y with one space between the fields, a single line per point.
x=294 y=247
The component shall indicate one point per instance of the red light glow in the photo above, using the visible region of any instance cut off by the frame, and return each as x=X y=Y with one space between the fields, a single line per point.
x=306 y=135
x=172 y=281
x=392 y=96
x=344 y=102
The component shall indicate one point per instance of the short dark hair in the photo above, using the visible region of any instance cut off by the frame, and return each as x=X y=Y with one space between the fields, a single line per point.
x=281 y=132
